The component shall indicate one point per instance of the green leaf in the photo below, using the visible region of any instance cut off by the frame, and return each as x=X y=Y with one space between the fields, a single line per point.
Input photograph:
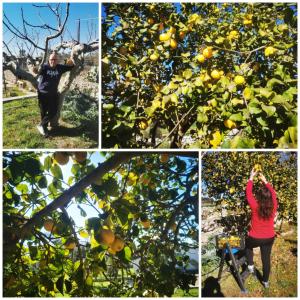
x=82 y=211
x=127 y=253
x=265 y=92
x=75 y=169
x=262 y=122
x=293 y=134
x=48 y=163
x=56 y=171
x=274 y=81
x=236 y=117
x=270 y=110
x=22 y=187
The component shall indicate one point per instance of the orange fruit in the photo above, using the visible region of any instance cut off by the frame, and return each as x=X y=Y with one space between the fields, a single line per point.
x=62 y=158
x=117 y=245
x=80 y=156
x=105 y=237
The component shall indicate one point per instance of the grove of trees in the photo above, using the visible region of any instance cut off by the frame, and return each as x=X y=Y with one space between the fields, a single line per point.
x=199 y=75
x=137 y=243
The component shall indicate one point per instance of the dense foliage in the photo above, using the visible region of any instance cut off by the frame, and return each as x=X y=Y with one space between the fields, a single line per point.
x=225 y=176
x=138 y=243
x=204 y=75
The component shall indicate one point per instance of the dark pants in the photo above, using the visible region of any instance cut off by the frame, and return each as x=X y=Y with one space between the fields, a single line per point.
x=265 y=250
x=48 y=107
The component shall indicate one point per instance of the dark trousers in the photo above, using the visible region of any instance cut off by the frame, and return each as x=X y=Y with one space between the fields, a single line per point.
x=265 y=251
x=48 y=107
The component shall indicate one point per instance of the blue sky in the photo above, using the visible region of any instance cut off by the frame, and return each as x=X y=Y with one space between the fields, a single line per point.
x=87 y=12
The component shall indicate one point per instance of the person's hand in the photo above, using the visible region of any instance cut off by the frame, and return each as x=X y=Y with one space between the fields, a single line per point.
x=263 y=178
x=70 y=62
x=252 y=174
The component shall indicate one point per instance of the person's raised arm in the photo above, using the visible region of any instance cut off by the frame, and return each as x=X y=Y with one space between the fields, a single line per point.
x=249 y=195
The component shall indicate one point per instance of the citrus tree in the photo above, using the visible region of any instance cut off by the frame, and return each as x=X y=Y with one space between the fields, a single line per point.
x=225 y=176
x=135 y=243
x=204 y=75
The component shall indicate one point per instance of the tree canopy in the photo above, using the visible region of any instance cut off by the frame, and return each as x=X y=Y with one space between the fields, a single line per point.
x=136 y=243
x=199 y=75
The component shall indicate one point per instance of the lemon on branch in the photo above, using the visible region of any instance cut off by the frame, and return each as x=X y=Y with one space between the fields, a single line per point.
x=165 y=36
x=229 y=124
x=200 y=58
x=239 y=80
x=208 y=52
x=215 y=74
x=173 y=44
x=269 y=51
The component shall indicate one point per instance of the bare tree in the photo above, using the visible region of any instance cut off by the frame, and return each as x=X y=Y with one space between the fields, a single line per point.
x=29 y=36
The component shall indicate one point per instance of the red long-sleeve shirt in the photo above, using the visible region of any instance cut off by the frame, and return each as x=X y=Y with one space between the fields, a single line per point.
x=260 y=228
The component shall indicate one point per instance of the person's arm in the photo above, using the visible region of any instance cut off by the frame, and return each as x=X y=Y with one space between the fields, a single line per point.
x=68 y=66
x=249 y=195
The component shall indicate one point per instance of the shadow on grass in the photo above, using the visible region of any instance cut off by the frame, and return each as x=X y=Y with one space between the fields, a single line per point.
x=211 y=288
x=79 y=131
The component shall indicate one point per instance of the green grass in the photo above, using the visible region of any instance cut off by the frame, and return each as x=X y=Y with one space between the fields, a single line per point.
x=19 y=129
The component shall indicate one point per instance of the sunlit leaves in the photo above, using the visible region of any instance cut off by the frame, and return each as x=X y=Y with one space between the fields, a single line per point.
x=175 y=82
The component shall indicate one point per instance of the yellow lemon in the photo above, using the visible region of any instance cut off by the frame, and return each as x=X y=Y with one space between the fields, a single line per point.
x=239 y=80
x=150 y=21
x=229 y=124
x=215 y=74
x=208 y=52
x=247 y=22
x=70 y=245
x=172 y=30
x=164 y=37
x=117 y=245
x=164 y=157
x=232 y=190
x=61 y=157
x=173 y=44
x=200 y=58
x=143 y=124
x=233 y=34
x=257 y=168
x=49 y=225
x=269 y=51
x=105 y=237
x=80 y=156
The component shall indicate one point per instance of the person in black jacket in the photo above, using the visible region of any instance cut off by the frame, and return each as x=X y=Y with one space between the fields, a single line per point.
x=49 y=77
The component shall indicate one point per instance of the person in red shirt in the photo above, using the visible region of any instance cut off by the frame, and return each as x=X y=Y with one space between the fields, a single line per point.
x=261 y=234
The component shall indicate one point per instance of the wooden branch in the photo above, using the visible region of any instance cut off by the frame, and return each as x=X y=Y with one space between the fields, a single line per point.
x=63 y=200
x=57 y=34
